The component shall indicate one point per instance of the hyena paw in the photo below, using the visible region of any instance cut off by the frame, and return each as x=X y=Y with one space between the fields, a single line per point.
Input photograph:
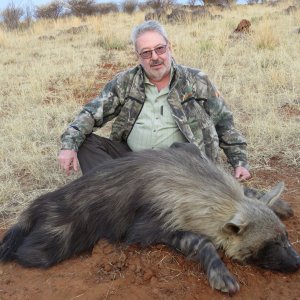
x=223 y=281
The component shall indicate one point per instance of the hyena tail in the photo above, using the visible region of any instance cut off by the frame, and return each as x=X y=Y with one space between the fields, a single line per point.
x=12 y=240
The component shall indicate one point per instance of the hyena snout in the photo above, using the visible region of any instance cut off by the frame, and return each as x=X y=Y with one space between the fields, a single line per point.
x=278 y=257
x=290 y=259
x=296 y=257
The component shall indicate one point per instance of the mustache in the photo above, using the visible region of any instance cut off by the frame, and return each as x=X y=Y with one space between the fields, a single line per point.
x=156 y=62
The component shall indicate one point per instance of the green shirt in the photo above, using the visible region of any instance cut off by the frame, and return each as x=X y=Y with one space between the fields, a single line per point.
x=155 y=126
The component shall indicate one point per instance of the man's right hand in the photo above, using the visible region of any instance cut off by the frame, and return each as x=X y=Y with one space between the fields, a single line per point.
x=68 y=160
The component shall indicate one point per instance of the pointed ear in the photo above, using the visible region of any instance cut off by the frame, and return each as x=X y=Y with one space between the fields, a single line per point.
x=235 y=226
x=273 y=195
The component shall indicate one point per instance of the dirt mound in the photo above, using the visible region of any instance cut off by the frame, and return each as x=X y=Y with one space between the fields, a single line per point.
x=243 y=26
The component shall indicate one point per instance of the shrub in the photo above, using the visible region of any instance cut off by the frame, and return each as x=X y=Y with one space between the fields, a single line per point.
x=255 y=1
x=81 y=8
x=11 y=16
x=156 y=4
x=129 y=6
x=106 y=8
x=192 y=2
x=142 y=6
x=51 y=11
x=221 y=3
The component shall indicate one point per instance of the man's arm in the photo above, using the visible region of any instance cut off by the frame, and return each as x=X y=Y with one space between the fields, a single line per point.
x=241 y=173
x=231 y=140
x=68 y=161
x=94 y=114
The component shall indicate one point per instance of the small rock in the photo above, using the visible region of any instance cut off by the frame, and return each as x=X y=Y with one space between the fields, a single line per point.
x=153 y=281
x=148 y=275
x=107 y=267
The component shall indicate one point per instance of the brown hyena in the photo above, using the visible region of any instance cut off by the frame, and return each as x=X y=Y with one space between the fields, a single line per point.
x=170 y=196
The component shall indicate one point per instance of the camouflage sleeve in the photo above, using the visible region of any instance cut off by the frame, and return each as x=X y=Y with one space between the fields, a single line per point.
x=94 y=114
x=231 y=140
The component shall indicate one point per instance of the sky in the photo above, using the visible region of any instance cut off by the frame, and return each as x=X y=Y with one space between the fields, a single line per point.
x=32 y=3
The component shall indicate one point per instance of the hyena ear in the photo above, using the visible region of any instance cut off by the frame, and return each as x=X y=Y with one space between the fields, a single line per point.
x=273 y=195
x=235 y=226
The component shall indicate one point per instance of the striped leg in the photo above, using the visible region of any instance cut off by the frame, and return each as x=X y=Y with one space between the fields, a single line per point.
x=201 y=249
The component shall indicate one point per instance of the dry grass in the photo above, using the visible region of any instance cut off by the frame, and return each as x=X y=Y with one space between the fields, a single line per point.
x=47 y=73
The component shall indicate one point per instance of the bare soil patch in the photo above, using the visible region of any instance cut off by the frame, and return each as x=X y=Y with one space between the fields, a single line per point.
x=120 y=272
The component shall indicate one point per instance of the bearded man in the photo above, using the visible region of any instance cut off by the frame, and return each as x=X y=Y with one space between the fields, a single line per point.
x=156 y=104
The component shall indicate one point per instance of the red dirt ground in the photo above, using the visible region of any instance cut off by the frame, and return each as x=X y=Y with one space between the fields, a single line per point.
x=119 y=272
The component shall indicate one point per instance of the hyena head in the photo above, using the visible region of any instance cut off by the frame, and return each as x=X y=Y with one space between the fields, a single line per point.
x=256 y=235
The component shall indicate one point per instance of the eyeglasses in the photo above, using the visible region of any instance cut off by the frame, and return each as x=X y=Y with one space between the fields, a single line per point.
x=158 y=50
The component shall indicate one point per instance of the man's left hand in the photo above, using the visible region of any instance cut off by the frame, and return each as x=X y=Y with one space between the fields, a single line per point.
x=241 y=173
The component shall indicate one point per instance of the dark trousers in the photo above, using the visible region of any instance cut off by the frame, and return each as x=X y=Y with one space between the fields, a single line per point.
x=96 y=149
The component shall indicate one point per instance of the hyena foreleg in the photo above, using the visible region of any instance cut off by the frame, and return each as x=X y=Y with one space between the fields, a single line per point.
x=199 y=248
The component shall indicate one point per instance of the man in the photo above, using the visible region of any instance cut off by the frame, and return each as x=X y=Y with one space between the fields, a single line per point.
x=156 y=104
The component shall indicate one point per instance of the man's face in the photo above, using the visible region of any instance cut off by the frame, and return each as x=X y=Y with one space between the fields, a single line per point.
x=158 y=66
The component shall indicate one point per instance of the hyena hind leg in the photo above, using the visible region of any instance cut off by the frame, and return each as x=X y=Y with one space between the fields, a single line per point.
x=40 y=249
x=199 y=248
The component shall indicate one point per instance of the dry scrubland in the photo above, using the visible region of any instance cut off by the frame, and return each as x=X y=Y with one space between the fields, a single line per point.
x=48 y=72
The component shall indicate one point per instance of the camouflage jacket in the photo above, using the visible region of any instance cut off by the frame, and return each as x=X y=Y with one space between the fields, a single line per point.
x=199 y=111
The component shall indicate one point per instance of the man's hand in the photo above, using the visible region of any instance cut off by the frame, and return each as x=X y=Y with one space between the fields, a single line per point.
x=241 y=173
x=68 y=160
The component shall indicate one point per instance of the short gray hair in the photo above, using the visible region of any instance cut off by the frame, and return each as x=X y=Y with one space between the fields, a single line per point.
x=146 y=26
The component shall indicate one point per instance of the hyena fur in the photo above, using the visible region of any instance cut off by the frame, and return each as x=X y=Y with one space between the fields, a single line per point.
x=170 y=196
